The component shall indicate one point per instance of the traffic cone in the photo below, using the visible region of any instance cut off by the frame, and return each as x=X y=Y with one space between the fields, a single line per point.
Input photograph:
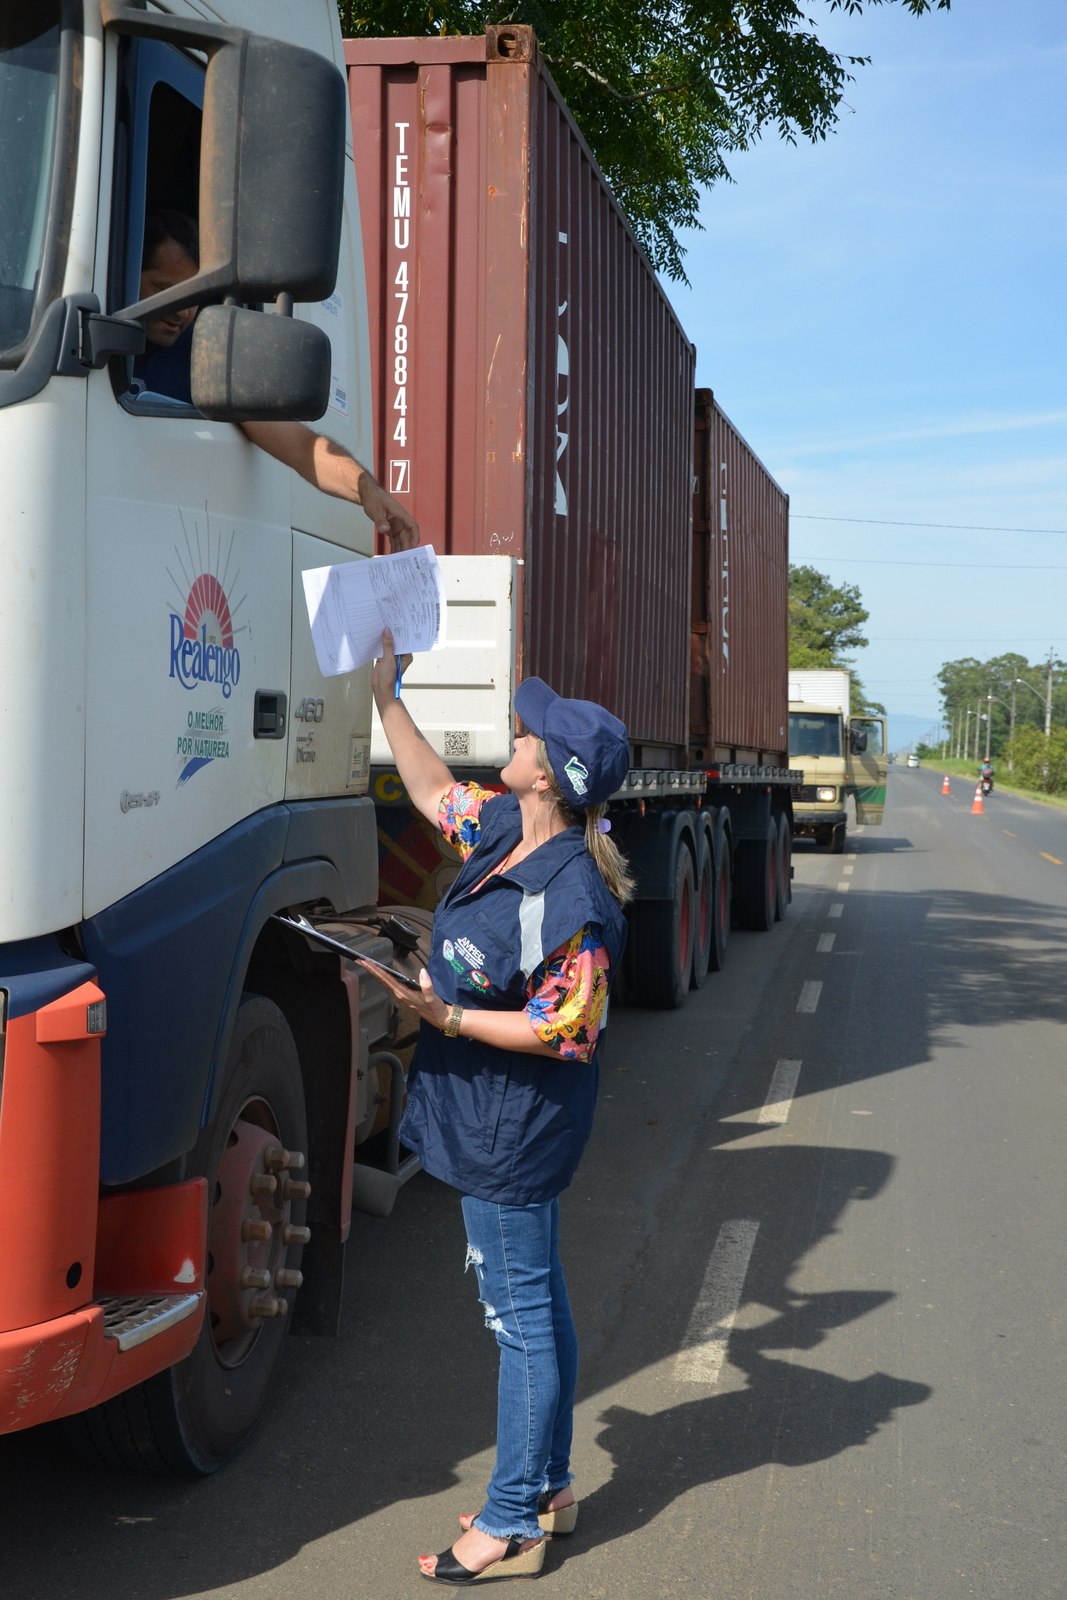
x=945 y=788
x=977 y=808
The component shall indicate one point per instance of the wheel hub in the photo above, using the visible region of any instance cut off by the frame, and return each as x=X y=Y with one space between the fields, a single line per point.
x=249 y=1235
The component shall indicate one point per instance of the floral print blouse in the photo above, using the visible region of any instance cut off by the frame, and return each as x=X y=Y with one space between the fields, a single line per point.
x=567 y=993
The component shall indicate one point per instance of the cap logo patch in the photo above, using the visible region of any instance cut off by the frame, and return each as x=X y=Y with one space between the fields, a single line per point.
x=577 y=774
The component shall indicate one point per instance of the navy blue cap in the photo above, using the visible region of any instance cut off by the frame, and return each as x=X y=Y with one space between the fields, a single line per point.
x=587 y=746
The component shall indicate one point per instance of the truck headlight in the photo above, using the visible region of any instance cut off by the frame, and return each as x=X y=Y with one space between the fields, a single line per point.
x=828 y=795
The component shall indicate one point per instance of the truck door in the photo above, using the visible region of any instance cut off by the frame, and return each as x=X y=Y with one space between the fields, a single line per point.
x=866 y=767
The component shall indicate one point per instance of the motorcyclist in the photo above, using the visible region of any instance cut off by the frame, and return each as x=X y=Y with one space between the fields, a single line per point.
x=985 y=775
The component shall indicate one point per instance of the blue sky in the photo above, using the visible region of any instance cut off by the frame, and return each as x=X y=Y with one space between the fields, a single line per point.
x=883 y=317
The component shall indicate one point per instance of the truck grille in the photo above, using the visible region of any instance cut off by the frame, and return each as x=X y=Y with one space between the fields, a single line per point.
x=804 y=791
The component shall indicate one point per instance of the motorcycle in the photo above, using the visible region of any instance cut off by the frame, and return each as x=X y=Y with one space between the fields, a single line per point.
x=985 y=780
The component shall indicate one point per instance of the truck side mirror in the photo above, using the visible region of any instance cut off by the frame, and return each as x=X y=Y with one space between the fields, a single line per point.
x=857 y=741
x=272 y=164
x=248 y=367
x=272 y=171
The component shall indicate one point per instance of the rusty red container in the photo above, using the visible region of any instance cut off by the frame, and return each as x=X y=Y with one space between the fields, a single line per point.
x=739 y=656
x=533 y=388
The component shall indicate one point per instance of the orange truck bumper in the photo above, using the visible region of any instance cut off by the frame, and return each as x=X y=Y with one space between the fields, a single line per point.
x=96 y=1293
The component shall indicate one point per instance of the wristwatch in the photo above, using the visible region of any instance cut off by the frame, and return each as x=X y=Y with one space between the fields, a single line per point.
x=452 y=1021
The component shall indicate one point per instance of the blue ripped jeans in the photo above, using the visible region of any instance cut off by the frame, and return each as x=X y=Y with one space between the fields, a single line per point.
x=515 y=1253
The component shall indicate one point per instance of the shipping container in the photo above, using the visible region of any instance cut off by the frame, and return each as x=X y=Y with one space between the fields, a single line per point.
x=533 y=388
x=740 y=616
x=600 y=525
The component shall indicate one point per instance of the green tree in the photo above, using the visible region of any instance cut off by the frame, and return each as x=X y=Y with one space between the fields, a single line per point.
x=665 y=91
x=972 y=690
x=825 y=619
x=1040 y=763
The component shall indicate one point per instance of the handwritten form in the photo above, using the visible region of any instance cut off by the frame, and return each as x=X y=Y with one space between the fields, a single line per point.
x=349 y=605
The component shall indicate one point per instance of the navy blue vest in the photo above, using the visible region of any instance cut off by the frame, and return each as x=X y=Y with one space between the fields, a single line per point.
x=499 y=1124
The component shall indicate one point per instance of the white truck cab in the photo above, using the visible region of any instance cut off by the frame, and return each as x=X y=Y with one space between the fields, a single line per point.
x=176 y=770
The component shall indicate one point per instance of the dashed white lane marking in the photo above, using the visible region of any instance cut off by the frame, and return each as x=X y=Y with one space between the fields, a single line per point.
x=703 y=1349
x=836 y=909
x=780 y=1094
x=809 y=995
x=844 y=887
x=826 y=943
x=850 y=868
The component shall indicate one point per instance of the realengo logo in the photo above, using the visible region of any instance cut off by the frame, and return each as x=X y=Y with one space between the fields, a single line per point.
x=577 y=774
x=201 y=641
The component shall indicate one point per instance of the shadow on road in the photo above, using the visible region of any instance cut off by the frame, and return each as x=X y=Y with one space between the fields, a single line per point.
x=396 y=1409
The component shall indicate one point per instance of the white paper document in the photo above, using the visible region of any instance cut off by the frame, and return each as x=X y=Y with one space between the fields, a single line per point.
x=349 y=605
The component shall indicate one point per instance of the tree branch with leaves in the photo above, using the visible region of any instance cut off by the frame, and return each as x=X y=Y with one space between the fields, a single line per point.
x=665 y=92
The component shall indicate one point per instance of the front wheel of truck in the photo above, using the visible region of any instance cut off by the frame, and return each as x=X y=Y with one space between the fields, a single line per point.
x=193 y=1417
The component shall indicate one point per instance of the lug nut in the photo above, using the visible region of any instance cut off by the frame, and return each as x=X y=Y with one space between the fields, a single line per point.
x=263 y=1183
x=287 y=1278
x=294 y=1235
x=275 y=1158
x=295 y=1162
x=255 y=1278
x=255 y=1230
x=295 y=1189
x=268 y=1305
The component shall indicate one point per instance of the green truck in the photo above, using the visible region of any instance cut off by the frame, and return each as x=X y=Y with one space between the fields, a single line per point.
x=839 y=755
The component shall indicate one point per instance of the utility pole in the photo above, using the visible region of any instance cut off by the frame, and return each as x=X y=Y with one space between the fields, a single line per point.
x=1048 y=698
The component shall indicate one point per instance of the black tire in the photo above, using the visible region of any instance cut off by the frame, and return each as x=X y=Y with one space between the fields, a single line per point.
x=663 y=953
x=703 y=912
x=193 y=1417
x=756 y=884
x=837 y=840
x=724 y=887
x=785 y=867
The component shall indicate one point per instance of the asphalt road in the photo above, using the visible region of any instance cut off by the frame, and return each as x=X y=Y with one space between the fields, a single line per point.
x=817 y=1254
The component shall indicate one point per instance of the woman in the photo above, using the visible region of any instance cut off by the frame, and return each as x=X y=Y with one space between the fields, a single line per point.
x=502 y=1088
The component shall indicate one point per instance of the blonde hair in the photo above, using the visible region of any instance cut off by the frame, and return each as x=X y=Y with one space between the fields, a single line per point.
x=607 y=857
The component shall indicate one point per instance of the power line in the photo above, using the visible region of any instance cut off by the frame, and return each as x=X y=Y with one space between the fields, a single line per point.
x=887 y=522
x=951 y=638
x=960 y=566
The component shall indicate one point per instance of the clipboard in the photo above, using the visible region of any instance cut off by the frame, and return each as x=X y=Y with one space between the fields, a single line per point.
x=300 y=924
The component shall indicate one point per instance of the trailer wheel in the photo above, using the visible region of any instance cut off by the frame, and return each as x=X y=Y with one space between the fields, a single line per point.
x=756 y=886
x=785 y=867
x=724 y=883
x=191 y=1418
x=704 y=912
x=663 y=953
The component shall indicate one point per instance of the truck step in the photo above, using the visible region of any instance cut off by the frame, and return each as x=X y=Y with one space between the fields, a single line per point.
x=131 y=1319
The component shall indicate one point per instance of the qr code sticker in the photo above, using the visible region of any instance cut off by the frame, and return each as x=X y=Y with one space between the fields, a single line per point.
x=457 y=744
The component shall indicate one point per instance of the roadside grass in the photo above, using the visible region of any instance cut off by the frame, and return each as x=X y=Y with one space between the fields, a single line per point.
x=1001 y=779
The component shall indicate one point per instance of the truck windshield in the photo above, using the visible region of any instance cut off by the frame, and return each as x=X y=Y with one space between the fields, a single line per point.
x=812 y=733
x=29 y=78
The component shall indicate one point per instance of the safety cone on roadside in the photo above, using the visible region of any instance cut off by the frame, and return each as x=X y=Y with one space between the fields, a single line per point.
x=945 y=788
x=977 y=808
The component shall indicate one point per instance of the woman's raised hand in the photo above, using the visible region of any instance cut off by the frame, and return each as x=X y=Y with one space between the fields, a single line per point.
x=384 y=671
